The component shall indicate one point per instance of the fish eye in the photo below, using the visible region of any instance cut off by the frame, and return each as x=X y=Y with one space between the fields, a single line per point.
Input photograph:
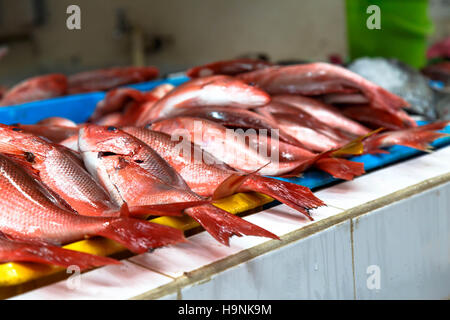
x=29 y=156
x=111 y=129
x=252 y=84
x=148 y=126
x=17 y=129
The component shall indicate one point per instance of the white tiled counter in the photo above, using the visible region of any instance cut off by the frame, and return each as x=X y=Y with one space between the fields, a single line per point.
x=384 y=235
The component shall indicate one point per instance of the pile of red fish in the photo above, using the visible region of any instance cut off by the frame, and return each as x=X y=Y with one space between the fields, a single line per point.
x=174 y=150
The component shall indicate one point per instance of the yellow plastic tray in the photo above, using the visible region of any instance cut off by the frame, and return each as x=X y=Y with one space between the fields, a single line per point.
x=19 y=277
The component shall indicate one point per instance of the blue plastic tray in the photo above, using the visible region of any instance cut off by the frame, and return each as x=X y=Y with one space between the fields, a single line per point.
x=76 y=107
x=79 y=107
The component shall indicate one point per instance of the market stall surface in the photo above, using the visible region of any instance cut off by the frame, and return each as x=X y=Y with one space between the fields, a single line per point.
x=383 y=235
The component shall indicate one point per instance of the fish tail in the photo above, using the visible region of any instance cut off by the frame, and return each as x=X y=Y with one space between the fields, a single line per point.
x=140 y=235
x=295 y=196
x=168 y=209
x=55 y=256
x=222 y=225
x=340 y=168
x=417 y=138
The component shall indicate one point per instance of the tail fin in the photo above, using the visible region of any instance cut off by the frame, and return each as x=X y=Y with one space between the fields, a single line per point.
x=295 y=196
x=169 y=209
x=233 y=183
x=417 y=138
x=139 y=235
x=30 y=252
x=340 y=168
x=222 y=225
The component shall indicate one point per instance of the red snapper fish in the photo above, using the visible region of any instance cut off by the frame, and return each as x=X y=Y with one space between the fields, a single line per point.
x=316 y=79
x=135 y=174
x=322 y=112
x=239 y=118
x=208 y=91
x=26 y=213
x=106 y=79
x=36 y=88
x=227 y=67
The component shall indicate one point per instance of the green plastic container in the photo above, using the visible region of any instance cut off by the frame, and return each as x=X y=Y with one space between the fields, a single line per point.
x=404 y=24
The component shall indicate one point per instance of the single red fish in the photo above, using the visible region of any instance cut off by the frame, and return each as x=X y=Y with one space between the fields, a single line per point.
x=36 y=88
x=417 y=138
x=239 y=118
x=318 y=79
x=53 y=133
x=106 y=79
x=57 y=121
x=26 y=213
x=23 y=251
x=227 y=67
x=373 y=118
x=322 y=112
x=208 y=91
x=312 y=133
x=137 y=175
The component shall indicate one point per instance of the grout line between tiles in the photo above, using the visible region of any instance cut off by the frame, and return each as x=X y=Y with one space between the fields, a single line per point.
x=150 y=269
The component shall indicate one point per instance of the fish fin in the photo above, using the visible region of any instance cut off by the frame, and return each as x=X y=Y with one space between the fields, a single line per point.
x=20 y=159
x=354 y=147
x=417 y=138
x=340 y=168
x=139 y=235
x=233 y=182
x=125 y=210
x=295 y=196
x=47 y=254
x=167 y=209
x=222 y=225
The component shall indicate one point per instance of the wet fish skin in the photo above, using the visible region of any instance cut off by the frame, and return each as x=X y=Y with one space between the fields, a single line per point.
x=27 y=214
x=239 y=118
x=318 y=79
x=227 y=67
x=36 y=88
x=106 y=79
x=216 y=90
x=59 y=170
x=324 y=113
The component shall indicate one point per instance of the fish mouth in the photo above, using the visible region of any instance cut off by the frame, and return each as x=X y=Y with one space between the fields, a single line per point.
x=103 y=154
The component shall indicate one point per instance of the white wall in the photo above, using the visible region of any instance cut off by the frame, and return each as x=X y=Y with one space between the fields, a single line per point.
x=203 y=30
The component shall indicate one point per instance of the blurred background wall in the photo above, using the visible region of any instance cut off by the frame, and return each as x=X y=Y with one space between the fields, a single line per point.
x=175 y=34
